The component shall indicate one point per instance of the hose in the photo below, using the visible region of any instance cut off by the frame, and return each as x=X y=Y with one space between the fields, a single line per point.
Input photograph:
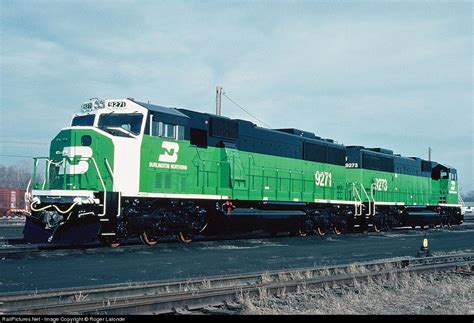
x=52 y=205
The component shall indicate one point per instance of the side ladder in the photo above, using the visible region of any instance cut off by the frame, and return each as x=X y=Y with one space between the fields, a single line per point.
x=358 y=207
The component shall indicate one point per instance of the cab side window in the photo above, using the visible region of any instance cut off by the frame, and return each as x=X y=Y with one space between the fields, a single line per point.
x=166 y=130
x=155 y=126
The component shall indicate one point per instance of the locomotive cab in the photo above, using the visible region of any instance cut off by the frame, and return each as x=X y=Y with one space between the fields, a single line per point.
x=86 y=172
x=95 y=163
x=448 y=185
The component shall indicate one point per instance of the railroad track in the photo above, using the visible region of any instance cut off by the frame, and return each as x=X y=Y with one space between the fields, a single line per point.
x=16 y=247
x=11 y=241
x=206 y=293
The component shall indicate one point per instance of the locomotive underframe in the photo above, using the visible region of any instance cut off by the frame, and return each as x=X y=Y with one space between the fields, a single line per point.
x=151 y=219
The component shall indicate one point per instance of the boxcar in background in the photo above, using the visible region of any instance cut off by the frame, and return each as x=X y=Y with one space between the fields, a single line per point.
x=11 y=199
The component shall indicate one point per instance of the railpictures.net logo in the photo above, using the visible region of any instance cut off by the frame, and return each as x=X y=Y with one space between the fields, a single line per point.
x=58 y=319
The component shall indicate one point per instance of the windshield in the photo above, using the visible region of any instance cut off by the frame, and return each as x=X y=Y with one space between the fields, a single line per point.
x=121 y=124
x=87 y=120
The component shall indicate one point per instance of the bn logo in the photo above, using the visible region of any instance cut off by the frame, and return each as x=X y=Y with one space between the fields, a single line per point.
x=84 y=153
x=171 y=153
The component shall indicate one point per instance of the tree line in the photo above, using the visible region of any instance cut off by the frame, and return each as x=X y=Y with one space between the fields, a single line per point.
x=18 y=176
x=468 y=197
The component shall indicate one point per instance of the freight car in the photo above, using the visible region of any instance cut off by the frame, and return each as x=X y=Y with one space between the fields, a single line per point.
x=12 y=202
x=131 y=169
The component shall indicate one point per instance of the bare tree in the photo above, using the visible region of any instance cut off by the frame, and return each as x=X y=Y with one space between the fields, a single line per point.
x=468 y=197
x=17 y=176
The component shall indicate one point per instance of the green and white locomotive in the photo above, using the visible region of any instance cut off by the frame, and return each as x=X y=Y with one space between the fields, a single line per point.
x=127 y=169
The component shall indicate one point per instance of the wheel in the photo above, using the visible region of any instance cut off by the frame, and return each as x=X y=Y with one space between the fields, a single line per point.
x=388 y=226
x=146 y=239
x=337 y=230
x=447 y=223
x=376 y=227
x=301 y=233
x=439 y=224
x=272 y=233
x=204 y=227
x=413 y=227
x=320 y=231
x=114 y=244
x=184 y=238
x=109 y=241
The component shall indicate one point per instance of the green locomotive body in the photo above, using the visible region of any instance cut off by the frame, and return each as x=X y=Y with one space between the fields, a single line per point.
x=127 y=168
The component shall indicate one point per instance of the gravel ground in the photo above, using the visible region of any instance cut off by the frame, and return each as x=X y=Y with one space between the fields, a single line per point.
x=434 y=293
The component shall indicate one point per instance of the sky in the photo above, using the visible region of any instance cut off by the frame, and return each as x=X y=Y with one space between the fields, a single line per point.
x=388 y=74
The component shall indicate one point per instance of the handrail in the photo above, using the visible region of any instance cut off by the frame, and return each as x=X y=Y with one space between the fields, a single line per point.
x=33 y=177
x=103 y=185
x=460 y=200
x=368 y=198
x=111 y=172
x=64 y=172
x=63 y=162
x=354 y=189
x=357 y=206
x=35 y=167
x=372 y=188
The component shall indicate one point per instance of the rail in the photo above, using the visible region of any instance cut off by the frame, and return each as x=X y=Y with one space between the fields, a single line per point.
x=167 y=297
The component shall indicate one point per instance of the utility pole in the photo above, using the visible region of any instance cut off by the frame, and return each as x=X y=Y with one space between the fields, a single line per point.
x=429 y=153
x=218 y=100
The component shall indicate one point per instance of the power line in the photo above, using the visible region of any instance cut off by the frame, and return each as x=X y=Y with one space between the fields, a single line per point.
x=422 y=154
x=238 y=105
x=17 y=156
x=9 y=142
x=426 y=152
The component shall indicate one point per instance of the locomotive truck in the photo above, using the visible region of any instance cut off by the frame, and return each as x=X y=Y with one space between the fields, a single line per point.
x=125 y=169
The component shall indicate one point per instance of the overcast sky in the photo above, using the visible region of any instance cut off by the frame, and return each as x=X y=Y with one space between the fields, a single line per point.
x=388 y=74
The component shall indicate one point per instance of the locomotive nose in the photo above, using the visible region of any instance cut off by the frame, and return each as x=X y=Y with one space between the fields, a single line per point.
x=77 y=163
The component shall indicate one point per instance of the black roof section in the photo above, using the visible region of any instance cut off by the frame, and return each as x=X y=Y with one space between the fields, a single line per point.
x=308 y=145
x=170 y=115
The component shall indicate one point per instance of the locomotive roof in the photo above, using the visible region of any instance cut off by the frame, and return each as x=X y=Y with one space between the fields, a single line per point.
x=291 y=132
x=161 y=109
x=281 y=133
x=165 y=114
